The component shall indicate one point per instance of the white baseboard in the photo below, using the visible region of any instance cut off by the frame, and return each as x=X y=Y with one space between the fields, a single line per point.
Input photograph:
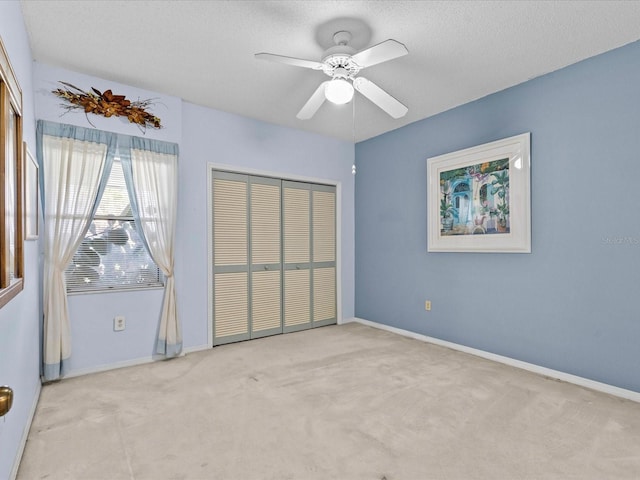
x=109 y=366
x=199 y=348
x=547 y=372
x=130 y=363
x=25 y=434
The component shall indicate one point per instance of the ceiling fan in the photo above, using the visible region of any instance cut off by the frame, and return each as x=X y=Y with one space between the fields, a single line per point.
x=342 y=64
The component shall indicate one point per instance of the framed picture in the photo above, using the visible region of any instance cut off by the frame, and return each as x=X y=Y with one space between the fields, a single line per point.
x=478 y=199
x=31 y=195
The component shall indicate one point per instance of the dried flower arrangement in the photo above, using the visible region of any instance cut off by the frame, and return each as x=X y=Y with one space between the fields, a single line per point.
x=107 y=104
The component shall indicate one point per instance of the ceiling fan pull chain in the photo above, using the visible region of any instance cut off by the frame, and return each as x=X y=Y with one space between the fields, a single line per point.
x=353 y=131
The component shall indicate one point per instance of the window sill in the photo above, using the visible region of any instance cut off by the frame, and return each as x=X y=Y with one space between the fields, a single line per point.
x=115 y=290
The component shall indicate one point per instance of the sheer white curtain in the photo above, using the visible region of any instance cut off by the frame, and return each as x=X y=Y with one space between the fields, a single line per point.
x=74 y=165
x=152 y=175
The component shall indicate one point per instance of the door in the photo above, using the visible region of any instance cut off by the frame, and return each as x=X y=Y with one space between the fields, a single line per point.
x=230 y=257
x=274 y=256
x=323 y=267
x=265 y=247
x=309 y=238
x=296 y=235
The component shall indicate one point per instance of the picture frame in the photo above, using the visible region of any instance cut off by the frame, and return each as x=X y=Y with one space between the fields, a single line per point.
x=31 y=195
x=479 y=198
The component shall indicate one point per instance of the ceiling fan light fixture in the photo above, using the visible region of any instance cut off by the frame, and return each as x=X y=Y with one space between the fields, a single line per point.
x=343 y=64
x=339 y=91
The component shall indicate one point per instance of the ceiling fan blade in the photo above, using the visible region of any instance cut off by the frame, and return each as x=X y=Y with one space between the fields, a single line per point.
x=381 y=98
x=387 y=50
x=314 y=103
x=296 y=62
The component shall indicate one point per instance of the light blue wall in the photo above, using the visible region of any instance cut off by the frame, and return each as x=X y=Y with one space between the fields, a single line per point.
x=568 y=306
x=94 y=343
x=571 y=305
x=204 y=136
x=50 y=107
x=19 y=319
x=211 y=136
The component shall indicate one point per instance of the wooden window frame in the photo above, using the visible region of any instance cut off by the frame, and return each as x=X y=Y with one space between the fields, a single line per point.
x=10 y=101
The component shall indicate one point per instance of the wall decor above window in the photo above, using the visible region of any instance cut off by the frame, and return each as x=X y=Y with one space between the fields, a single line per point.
x=107 y=104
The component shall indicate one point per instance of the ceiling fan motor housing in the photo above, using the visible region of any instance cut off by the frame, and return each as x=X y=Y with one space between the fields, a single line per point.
x=337 y=59
x=340 y=65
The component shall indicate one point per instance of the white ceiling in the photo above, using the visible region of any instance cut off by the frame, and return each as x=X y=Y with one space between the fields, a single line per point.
x=202 y=51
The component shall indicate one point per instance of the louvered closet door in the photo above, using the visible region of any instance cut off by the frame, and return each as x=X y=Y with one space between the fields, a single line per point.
x=265 y=246
x=230 y=258
x=296 y=235
x=274 y=253
x=323 y=269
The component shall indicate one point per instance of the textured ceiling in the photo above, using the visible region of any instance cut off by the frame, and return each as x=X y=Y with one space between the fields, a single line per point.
x=202 y=51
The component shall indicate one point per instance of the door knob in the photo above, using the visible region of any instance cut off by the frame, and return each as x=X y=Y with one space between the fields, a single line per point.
x=6 y=399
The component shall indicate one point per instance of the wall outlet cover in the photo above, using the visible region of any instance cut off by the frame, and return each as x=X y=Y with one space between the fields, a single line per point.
x=119 y=324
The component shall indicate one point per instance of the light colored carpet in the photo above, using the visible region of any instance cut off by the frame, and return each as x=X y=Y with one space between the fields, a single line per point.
x=341 y=402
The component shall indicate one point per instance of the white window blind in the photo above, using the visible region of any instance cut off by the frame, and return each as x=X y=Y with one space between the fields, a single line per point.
x=112 y=255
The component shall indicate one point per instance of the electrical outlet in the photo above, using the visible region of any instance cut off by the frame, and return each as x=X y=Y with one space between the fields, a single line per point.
x=427 y=305
x=119 y=323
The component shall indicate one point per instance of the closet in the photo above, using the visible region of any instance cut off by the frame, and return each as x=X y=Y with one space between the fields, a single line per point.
x=274 y=256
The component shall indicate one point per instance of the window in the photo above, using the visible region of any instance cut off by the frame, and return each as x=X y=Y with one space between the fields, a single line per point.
x=11 y=261
x=112 y=255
